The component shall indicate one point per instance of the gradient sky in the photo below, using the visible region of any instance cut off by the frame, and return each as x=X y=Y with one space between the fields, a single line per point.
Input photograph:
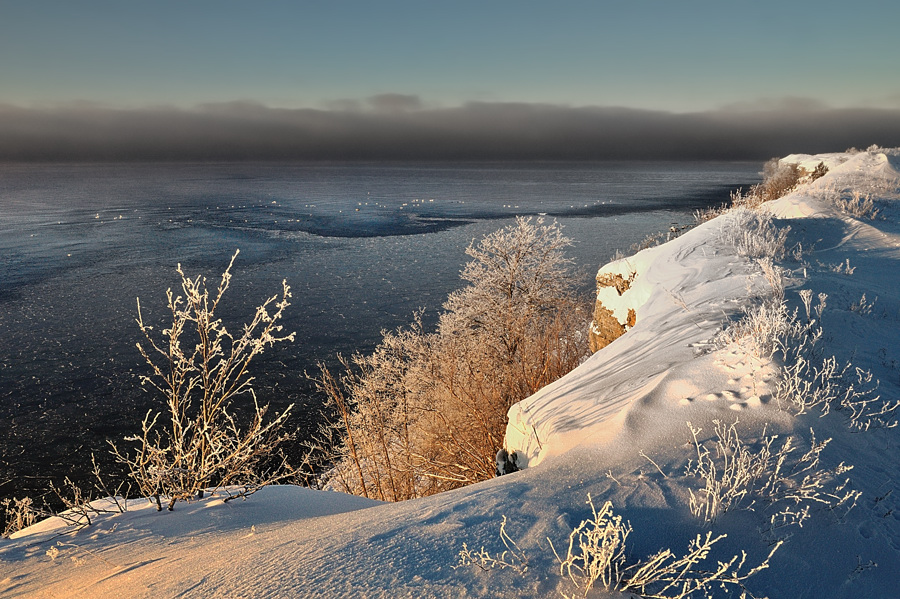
x=679 y=56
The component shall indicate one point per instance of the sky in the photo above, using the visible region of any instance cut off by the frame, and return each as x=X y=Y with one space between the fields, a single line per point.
x=345 y=57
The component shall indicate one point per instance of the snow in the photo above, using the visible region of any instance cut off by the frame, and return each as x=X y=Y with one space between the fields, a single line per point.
x=809 y=162
x=680 y=294
x=616 y=427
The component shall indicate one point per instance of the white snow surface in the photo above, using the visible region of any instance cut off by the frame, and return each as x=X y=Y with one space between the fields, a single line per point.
x=616 y=427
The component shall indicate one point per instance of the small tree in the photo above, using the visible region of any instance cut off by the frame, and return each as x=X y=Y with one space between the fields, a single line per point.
x=514 y=329
x=427 y=412
x=199 y=368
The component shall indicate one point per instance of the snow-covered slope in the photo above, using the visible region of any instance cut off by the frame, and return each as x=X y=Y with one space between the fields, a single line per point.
x=615 y=428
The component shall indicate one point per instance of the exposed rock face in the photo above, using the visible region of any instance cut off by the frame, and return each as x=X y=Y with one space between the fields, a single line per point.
x=605 y=327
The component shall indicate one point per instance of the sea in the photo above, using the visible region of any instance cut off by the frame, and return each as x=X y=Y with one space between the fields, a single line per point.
x=362 y=246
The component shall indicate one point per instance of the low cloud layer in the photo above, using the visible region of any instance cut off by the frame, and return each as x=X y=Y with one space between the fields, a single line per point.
x=400 y=127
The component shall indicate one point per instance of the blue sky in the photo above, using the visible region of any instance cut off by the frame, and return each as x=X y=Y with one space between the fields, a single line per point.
x=674 y=56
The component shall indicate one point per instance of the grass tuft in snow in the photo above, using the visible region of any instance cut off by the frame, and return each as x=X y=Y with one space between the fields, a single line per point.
x=660 y=237
x=858 y=205
x=766 y=476
x=20 y=513
x=863 y=307
x=80 y=505
x=597 y=557
x=754 y=234
x=809 y=379
x=512 y=557
x=863 y=199
x=812 y=380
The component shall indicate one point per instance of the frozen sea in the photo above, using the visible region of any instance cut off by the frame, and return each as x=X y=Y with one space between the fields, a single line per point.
x=361 y=245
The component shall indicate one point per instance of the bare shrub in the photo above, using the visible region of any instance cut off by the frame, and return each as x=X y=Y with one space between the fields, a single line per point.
x=81 y=505
x=736 y=475
x=426 y=412
x=778 y=179
x=597 y=558
x=199 y=368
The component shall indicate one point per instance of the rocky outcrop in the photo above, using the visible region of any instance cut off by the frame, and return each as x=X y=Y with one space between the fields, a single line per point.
x=605 y=327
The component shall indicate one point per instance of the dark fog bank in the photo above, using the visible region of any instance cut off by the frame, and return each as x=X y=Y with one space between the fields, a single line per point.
x=395 y=127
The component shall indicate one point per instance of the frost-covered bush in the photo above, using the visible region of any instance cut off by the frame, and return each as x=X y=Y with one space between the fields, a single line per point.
x=764 y=324
x=199 y=369
x=426 y=412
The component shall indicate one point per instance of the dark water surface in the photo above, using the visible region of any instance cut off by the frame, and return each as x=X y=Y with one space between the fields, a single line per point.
x=362 y=246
